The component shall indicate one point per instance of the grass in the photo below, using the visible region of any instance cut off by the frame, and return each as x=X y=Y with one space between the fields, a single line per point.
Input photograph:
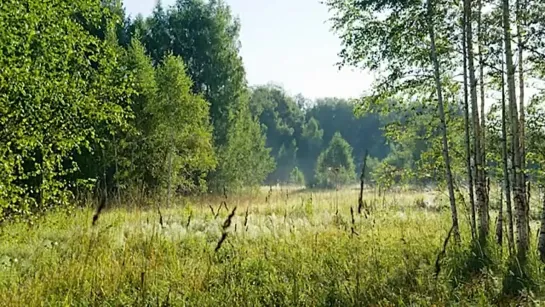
x=282 y=248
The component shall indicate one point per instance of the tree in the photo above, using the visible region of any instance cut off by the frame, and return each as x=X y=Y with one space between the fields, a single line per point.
x=87 y=90
x=310 y=148
x=282 y=120
x=181 y=133
x=410 y=68
x=335 y=165
x=157 y=37
x=518 y=189
x=439 y=89
x=536 y=157
x=480 y=180
x=141 y=148
x=470 y=179
x=245 y=161
x=286 y=160
x=205 y=35
x=340 y=115
x=297 y=177
x=505 y=158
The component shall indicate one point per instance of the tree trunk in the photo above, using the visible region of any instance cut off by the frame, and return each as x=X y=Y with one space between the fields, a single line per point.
x=541 y=243
x=499 y=224
x=519 y=197
x=169 y=179
x=439 y=89
x=479 y=180
x=116 y=180
x=506 y=178
x=467 y=135
x=104 y=176
x=362 y=183
x=483 y=111
x=170 y=157
x=520 y=20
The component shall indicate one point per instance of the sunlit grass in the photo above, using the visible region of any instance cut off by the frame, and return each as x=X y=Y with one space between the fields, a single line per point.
x=285 y=247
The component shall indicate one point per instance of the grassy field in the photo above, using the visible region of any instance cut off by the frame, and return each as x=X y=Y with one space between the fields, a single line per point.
x=281 y=248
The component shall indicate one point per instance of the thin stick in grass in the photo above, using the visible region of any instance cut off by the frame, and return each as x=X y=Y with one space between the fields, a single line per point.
x=225 y=226
x=361 y=204
x=246 y=219
x=215 y=214
x=101 y=207
x=160 y=217
x=268 y=197
x=189 y=219
x=353 y=221
x=442 y=253
x=223 y=204
x=227 y=222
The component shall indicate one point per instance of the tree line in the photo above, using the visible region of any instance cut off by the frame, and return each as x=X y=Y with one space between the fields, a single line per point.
x=95 y=102
x=309 y=138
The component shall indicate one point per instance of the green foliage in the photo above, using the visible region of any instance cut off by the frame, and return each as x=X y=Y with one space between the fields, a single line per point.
x=363 y=131
x=61 y=88
x=311 y=145
x=335 y=165
x=404 y=92
x=534 y=139
x=215 y=67
x=282 y=119
x=372 y=165
x=311 y=126
x=286 y=160
x=297 y=177
x=182 y=135
x=279 y=113
x=141 y=150
x=244 y=161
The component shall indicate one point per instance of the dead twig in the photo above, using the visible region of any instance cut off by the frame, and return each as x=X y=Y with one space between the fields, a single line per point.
x=442 y=253
x=100 y=207
x=215 y=214
x=225 y=226
x=362 y=183
x=189 y=220
x=353 y=221
x=160 y=217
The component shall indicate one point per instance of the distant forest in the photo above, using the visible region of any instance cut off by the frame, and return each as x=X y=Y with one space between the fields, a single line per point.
x=298 y=130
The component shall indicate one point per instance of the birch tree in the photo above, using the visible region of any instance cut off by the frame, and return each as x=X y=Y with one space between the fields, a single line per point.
x=480 y=181
x=411 y=59
x=518 y=189
x=467 y=131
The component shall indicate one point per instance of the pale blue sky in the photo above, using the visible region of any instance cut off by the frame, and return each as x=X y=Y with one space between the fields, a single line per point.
x=287 y=42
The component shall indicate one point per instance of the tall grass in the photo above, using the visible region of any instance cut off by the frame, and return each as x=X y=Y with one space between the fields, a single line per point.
x=281 y=247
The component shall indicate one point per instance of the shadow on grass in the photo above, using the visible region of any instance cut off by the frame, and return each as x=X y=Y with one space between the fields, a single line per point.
x=518 y=280
x=483 y=265
x=471 y=272
x=468 y=264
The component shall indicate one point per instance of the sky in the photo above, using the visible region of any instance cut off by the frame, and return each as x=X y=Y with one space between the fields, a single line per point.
x=287 y=42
